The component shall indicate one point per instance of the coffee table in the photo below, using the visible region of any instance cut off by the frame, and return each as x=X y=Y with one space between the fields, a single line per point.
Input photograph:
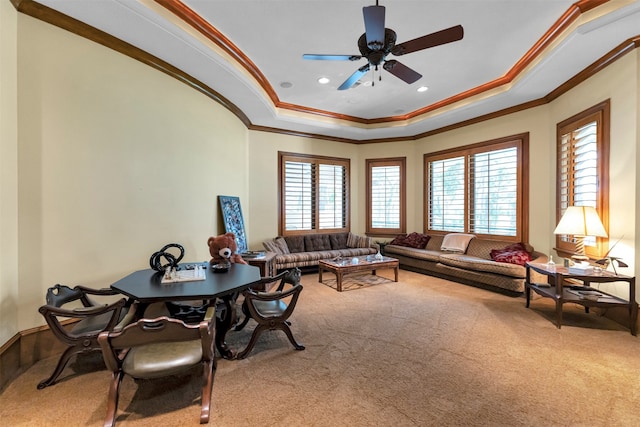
x=342 y=266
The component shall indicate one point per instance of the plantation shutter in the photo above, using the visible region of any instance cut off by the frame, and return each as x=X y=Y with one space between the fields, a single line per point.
x=385 y=197
x=578 y=171
x=579 y=167
x=479 y=189
x=299 y=195
x=332 y=196
x=493 y=179
x=446 y=194
x=314 y=194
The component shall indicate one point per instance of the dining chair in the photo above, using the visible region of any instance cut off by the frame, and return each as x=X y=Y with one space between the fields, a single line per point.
x=271 y=309
x=88 y=318
x=155 y=348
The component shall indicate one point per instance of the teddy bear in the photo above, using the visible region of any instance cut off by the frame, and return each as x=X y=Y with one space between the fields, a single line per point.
x=223 y=249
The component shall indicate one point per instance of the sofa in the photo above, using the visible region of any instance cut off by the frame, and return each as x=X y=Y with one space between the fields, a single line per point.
x=491 y=264
x=304 y=251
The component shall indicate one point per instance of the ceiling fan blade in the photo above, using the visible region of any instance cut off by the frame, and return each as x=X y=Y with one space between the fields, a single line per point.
x=430 y=40
x=374 y=26
x=354 y=77
x=401 y=71
x=331 y=57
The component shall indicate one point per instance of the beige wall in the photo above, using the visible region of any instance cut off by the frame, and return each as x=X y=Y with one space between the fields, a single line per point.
x=263 y=179
x=8 y=172
x=110 y=160
x=115 y=160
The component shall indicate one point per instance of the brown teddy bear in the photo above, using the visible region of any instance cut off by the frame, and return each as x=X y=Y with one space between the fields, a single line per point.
x=223 y=249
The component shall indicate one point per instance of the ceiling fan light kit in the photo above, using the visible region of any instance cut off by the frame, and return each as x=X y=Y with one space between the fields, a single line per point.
x=378 y=42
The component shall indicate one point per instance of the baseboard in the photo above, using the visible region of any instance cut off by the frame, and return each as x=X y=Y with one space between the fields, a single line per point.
x=9 y=361
x=25 y=349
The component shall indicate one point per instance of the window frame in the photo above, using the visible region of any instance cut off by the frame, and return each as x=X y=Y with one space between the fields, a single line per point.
x=283 y=157
x=601 y=114
x=521 y=141
x=401 y=162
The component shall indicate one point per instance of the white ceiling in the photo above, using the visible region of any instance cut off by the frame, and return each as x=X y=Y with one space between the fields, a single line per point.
x=275 y=34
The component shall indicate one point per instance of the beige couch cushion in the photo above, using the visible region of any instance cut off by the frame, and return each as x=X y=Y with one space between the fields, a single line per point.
x=434 y=243
x=480 y=264
x=425 y=254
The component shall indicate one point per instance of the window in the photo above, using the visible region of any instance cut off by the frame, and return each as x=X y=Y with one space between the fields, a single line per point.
x=582 y=171
x=314 y=194
x=480 y=189
x=386 y=214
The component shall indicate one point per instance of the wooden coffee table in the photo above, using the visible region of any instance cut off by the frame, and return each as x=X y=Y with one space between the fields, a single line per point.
x=343 y=266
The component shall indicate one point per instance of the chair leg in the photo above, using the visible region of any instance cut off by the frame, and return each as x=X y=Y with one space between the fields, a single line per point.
x=287 y=330
x=209 y=367
x=247 y=316
x=59 y=368
x=112 y=400
x=254 y=337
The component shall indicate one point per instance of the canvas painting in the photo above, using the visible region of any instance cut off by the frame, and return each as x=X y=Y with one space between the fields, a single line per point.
x=233 y=222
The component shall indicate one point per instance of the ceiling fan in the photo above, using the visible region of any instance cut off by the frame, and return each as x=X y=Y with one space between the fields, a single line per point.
x=378 y=42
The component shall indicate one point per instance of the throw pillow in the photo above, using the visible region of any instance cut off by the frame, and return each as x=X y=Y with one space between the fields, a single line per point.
x=277 y=245
x=281 y=244
x=364 y=242
x=355 y=241
x=509 y=248
x=512 y=254
x=270 y=246
x=398 y=240
x=416 y=240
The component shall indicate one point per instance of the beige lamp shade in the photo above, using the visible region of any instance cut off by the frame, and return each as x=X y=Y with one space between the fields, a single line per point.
x=580 y=221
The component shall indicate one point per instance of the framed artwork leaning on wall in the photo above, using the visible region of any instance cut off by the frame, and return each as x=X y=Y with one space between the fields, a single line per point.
x=233 y=221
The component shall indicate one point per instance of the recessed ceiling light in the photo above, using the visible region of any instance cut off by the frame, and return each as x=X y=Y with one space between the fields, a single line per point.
x=323 y=80
x=423 y=89
x=286 y=85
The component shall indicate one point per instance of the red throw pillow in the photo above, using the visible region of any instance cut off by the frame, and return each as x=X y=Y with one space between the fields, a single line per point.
x=512 y=254
x=399 y=240
x=514 y=257
x=416 y=240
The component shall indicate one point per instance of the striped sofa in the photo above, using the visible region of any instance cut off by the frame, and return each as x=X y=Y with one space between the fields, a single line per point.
x=304 y=251
x=473 y=267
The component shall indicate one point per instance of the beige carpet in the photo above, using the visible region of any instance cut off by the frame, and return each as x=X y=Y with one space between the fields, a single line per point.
x=421 y=352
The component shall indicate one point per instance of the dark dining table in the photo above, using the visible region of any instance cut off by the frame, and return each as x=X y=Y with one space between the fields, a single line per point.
x=146 y=287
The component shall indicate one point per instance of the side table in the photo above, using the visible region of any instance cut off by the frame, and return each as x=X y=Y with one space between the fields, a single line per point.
x=563 y=286
x=266 y=263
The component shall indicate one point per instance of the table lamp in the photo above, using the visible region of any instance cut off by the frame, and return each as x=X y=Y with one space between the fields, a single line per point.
x=580 y=222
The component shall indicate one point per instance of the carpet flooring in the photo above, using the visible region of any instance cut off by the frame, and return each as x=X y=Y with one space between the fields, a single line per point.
x=420 y=352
